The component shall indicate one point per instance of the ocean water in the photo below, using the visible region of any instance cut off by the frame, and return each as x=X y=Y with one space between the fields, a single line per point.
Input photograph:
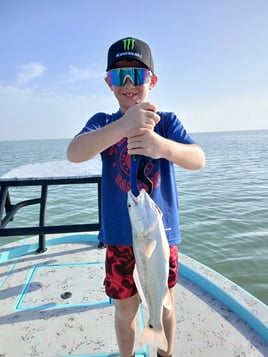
x=223 y=208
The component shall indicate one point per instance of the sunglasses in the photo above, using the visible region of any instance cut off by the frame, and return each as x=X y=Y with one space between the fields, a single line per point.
x=138 y=76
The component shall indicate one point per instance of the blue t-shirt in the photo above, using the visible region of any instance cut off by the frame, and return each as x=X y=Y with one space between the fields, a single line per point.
x=116 y=229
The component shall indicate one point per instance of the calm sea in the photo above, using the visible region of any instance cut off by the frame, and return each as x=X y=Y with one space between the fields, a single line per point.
x=223 y=208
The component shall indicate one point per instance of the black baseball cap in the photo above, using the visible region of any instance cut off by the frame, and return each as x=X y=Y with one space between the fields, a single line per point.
x=130 y=48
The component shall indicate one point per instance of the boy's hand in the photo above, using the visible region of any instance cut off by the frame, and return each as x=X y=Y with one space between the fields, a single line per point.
x=145 y=142
x=141 y=115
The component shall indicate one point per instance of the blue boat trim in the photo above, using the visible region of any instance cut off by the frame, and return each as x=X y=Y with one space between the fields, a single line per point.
x=223 y=296
x=23 y=249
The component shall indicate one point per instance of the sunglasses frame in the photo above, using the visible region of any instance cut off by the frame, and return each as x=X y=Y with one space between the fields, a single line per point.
x=138 y=76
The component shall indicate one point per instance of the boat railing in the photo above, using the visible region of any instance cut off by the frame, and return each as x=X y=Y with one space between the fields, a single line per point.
x=8 y=210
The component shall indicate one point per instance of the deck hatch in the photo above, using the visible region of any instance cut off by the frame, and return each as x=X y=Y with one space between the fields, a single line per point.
x=47 y=284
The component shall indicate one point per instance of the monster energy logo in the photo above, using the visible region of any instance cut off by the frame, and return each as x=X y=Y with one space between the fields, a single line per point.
x=128 y=47
x=128 y=44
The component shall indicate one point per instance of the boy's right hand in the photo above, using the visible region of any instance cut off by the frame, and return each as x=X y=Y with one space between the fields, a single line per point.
x=140 y=115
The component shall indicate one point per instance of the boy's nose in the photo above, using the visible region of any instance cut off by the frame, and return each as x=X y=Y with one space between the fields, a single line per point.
x=128 y=82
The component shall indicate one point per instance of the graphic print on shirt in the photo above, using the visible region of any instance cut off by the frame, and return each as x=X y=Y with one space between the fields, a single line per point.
x=121 y=165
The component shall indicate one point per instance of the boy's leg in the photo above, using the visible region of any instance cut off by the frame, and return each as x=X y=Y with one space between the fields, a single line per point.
x=120 y=286
x=169 y=317
x=125 y=324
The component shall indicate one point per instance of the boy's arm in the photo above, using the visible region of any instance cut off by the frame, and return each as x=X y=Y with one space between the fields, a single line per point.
x=149 y=143
x=189 y=156
x=87 y=145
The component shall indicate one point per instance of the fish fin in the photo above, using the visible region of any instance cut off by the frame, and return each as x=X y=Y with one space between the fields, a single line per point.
x=158 y=210
x=167 y=301
x=150 y=247
x=154 y=337
x=136 y=278
x=149 y=225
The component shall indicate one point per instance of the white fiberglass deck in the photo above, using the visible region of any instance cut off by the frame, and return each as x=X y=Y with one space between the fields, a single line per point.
x=53 y=304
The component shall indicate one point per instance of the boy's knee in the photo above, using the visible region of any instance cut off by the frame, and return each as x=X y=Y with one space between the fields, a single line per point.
x=126 y=309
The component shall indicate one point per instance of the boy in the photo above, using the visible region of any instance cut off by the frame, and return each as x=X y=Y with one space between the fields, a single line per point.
x=137 y=128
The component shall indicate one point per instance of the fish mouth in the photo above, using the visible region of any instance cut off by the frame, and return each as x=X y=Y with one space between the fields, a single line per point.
x=133 y=198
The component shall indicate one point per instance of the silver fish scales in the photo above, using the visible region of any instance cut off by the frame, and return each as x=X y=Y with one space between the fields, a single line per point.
x=151 y=252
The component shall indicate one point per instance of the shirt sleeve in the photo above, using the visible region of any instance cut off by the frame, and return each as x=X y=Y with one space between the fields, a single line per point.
x=94 y=123
x=172 y=128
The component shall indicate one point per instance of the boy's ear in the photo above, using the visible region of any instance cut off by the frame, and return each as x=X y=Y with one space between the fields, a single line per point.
x=108 y=82
x=153 y=81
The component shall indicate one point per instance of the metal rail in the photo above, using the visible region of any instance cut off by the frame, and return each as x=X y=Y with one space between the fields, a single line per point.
x=8 y=210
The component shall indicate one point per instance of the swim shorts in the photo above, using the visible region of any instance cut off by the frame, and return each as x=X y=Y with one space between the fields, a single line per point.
x=119 y=265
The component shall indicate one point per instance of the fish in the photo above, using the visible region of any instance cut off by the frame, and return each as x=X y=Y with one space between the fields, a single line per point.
x=151 y=251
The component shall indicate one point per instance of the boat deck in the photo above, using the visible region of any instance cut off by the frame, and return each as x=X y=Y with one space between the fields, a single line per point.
x=53 y=304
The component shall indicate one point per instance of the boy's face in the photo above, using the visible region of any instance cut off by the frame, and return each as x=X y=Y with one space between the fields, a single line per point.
x=129 y=94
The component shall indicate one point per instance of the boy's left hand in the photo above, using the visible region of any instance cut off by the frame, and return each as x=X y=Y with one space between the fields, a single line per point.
x=145 y=142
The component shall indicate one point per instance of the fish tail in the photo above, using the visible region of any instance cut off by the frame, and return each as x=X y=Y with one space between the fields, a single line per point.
x=154 y=337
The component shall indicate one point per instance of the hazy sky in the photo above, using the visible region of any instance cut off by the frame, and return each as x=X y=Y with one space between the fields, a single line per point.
x=211 y=57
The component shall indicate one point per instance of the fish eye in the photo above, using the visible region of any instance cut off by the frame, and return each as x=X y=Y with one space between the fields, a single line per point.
x=128 y=205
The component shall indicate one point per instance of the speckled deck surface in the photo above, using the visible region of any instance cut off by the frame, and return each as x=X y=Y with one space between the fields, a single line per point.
x=53 y=304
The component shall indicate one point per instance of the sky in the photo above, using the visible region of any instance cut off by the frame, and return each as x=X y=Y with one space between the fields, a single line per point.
x=211 y=57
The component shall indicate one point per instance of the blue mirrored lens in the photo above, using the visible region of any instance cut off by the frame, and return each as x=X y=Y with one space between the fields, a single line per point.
x=138 y=76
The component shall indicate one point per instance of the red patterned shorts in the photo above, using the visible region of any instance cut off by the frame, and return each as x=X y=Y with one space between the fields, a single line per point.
x=119 y=265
